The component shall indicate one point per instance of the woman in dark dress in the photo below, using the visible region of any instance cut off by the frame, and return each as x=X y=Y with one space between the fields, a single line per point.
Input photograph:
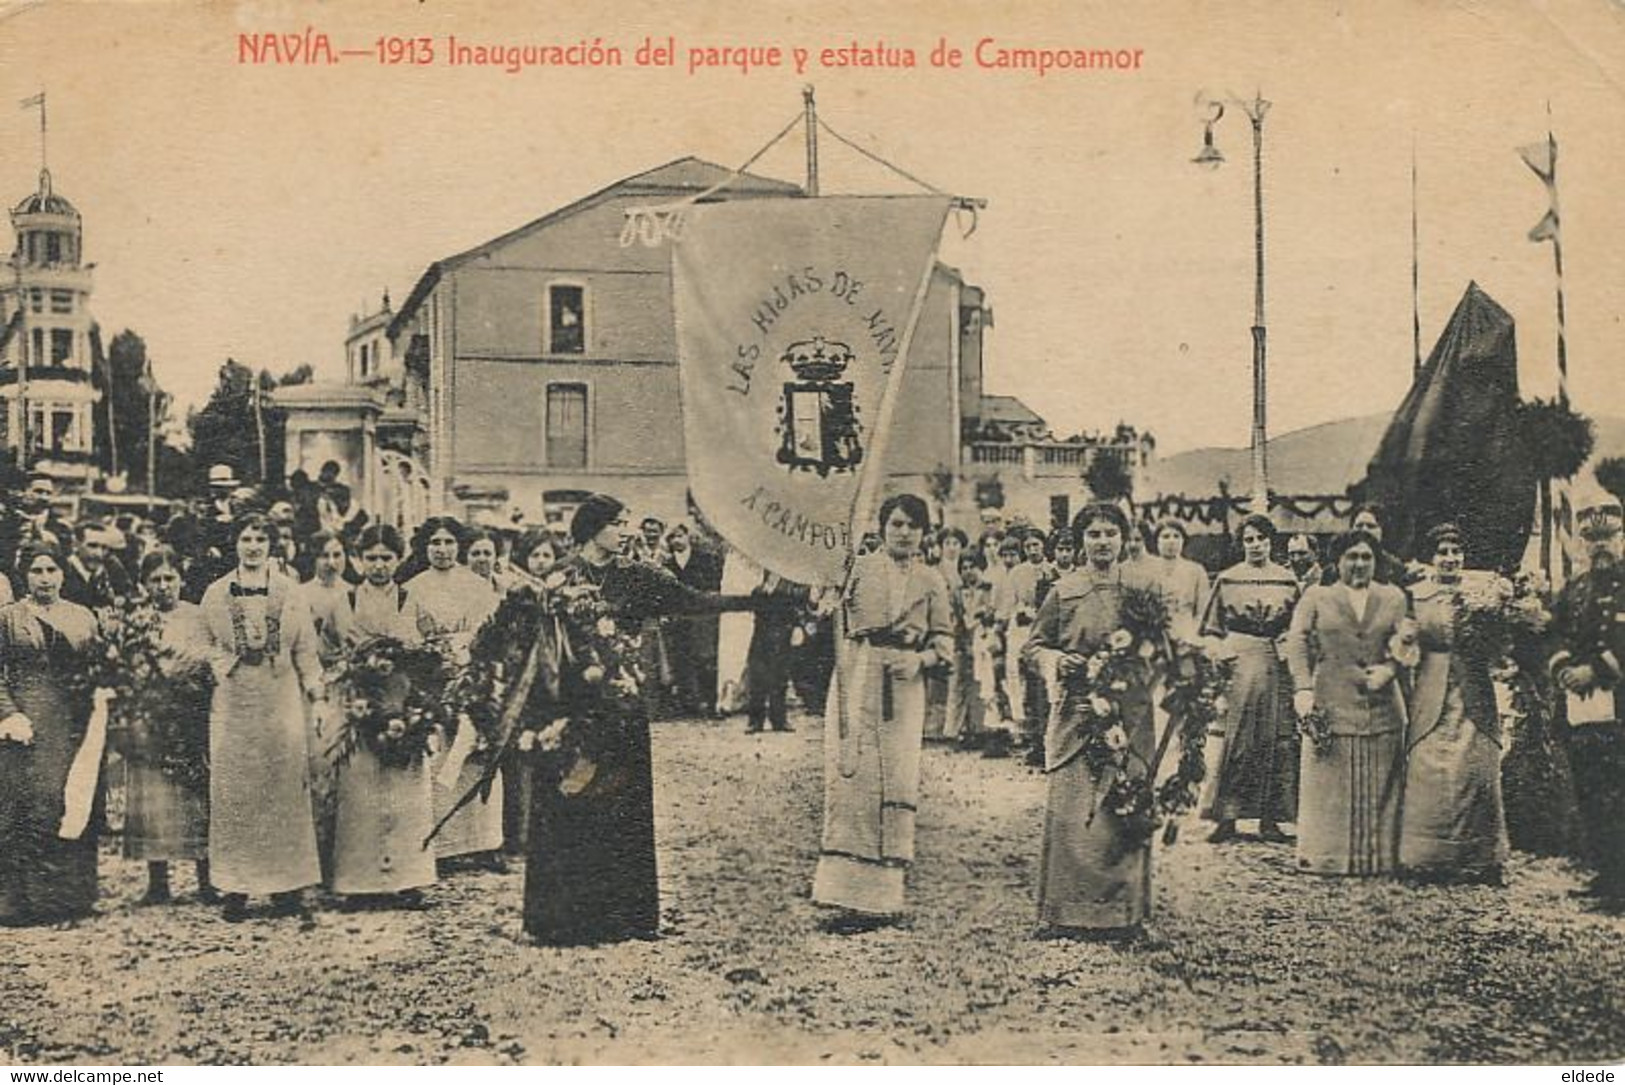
x=590 y=866
x=44 y=719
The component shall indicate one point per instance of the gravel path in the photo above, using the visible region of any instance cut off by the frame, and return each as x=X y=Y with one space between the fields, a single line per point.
x=1246 y=961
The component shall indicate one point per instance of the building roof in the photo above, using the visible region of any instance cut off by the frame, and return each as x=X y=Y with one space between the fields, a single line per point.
x=684 y=176
x=45 y=201
x=1009 y=411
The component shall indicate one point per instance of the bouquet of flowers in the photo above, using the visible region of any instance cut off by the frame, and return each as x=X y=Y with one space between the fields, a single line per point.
x=1495 y=616
x=393 y=699
x=1316 y=729
x=1095 y=691
x=159 y=713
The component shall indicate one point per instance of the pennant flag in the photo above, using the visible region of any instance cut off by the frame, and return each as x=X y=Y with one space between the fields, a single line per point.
x=1546 y=229
x=1542 y=158
x=31 y=102
x=793 y=320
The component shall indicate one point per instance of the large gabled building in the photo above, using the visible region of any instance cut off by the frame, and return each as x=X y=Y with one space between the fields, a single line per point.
x=548 y=358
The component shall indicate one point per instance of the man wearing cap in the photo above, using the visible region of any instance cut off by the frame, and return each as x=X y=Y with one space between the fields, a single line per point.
x=1589 y=670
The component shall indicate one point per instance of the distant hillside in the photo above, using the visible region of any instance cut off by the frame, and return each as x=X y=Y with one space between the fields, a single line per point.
x=1323 y=459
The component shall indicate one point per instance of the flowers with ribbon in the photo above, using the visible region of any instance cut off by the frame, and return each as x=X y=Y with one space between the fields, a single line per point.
x=600 y=680
x=393 y=698
x=159 y=712
x=1096 y=691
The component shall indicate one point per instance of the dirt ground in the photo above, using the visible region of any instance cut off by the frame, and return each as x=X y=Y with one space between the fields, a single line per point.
x=1245 y=962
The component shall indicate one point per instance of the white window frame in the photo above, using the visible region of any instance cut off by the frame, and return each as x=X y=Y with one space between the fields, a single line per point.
x=547 y=318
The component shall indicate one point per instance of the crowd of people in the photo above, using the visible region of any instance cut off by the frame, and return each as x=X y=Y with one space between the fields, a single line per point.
x=1356 y=708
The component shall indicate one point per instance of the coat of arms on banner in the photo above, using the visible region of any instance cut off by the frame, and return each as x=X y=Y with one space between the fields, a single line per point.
x=818 y=421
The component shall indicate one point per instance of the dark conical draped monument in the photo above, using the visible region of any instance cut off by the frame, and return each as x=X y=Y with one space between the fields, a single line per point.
x=1451 y=452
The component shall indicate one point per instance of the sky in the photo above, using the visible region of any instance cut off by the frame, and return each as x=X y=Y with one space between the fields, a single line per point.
x=248 y=211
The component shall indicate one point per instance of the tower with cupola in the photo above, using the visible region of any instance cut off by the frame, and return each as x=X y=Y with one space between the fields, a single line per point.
x=48 y=394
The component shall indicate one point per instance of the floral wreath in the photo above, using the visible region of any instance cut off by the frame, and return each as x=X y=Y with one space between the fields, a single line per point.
x=598 y=685
x=1193 y=695
x=393 y=699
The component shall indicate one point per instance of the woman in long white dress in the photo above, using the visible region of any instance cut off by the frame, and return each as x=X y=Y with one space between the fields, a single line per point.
x=262 y=644
x=896 y=625
x=328 y=595
x=383 y=810
x=448 y=601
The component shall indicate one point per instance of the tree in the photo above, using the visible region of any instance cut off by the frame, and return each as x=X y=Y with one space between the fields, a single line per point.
x=1557 y=442
x=1107 y=477
x=125 y=423
x=1611 y=476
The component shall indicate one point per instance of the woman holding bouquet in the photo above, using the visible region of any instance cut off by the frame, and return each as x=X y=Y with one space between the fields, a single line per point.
x=262 y=644
x=1252 y=761
x=448 y=602
x=590 y=868
x=167 y=790
x=383 y=802
x=896 y=625
x=44 y=718
x=1096 y=875
x=1453 y=825
x=1346 y=648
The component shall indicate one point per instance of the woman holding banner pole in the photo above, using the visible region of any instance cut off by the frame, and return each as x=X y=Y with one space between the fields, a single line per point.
x=896 y=625
x=590 y=874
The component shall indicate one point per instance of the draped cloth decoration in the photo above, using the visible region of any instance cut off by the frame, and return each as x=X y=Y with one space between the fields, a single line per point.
x=84 y=775
x=794 y=318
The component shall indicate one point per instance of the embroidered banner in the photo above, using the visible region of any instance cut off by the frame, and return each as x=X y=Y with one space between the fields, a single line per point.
x=793 y=318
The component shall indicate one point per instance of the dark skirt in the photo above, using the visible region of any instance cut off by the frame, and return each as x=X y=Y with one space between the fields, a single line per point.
x=590 y=872
x=43 y=878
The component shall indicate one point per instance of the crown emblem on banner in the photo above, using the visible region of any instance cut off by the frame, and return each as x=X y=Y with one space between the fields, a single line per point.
x=817 y=359
x=818 y=417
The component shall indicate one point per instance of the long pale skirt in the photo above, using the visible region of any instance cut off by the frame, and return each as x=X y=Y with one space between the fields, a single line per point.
x=739 y=576
x=262 y=833
x=164 y=819
x=871 y=785
x=381 y=820
x=1348 y=805
x=477 y=827
x=1453 y=819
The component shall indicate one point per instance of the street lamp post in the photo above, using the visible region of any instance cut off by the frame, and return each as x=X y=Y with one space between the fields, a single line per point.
x=1211 y=158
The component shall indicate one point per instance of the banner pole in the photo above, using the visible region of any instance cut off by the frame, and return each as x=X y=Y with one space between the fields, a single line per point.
x=872 y=474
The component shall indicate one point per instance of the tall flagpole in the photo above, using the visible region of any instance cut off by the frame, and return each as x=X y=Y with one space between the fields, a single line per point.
x=1416 y=277
x=811 y=108
x=152 y=439
x=259 y=422
x=1542 y=159
x=24 y=423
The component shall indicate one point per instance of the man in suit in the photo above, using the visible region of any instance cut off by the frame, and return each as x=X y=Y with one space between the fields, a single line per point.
x=94 y=578
x=1589 y=670
x=692 y=641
